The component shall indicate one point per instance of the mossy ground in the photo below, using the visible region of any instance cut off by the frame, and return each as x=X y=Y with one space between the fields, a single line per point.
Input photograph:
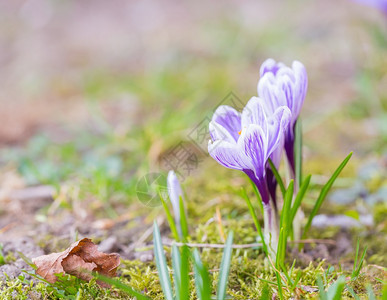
x=250 y=275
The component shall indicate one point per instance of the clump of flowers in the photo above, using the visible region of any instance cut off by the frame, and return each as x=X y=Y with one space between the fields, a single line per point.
x=253 y=142
x=246 y=141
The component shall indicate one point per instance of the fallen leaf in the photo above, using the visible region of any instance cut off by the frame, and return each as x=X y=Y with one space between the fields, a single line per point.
x=80 y=259
x=75 y=265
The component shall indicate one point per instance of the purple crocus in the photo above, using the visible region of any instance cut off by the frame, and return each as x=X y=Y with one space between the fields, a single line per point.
x=244 y=141
x=280 y=85
x=379 y=4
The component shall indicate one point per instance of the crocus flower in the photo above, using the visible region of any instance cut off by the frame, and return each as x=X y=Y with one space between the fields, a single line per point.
x=175 y=193
x=379 y=4
x=244 y=141
x=280 y=85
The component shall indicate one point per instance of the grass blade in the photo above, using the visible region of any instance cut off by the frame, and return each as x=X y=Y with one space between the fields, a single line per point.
x=225 y=268
x=183 y=219
x=2 y=259
x=299 y=197
x=176 y=265
x=323 y=194
x=279 y=285
x=358 y=265
x=277 y=177
x=161 y=263
x=321 y=290
x=255 y=219
x=356 y=258
x=370 y=293
x=184 y=283
x=298 y=152
x=27 y=260
x=285 y=225
x=171 y=221
x=123 y=287
x=202 y=278
x=336 y=289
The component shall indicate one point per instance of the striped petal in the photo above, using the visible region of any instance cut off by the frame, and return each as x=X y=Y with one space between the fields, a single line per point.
x=278 y=124
x=229 y=119
x=254 y=145
x=254 y=113
x=218 y=132
x=229 y=155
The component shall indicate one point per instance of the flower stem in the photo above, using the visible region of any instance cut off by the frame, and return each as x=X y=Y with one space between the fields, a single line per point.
x=271 y=230
x=299 y=217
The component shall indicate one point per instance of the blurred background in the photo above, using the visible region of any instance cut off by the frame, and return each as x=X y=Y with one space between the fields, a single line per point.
x=95 y=94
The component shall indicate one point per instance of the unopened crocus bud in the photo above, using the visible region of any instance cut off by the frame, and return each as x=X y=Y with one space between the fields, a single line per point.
x=175 y=192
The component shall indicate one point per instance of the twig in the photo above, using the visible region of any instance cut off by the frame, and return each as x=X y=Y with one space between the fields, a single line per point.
x=199 y=245
x=7 y=227
x=220 y=225
x=314 y=241
x=245 y=246
x=33 y=192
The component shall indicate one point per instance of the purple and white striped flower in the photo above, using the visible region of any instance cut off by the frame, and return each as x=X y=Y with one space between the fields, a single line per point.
x=279 y=86
x=244 y=141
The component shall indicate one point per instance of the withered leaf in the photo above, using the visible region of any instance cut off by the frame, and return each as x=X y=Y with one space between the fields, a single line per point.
x=80 y=259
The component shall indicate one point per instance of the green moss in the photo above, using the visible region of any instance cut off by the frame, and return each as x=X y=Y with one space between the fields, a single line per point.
x=380 y=213
x=10 y=258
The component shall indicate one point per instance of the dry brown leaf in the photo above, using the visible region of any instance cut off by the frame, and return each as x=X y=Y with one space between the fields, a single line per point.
x=80 y=259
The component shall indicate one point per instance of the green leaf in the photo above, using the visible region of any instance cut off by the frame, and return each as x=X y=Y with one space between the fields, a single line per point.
x=255 y=219
x=202 y=278
x=184 y=283
x=176 y=265
x=279 y=284
x=27 y=260
x=336 y=289
x=370 y=293
x=298 y=152
x=123 y=287
x=299 y=197
x=170 y=219
x=323 y=194
x=384 y=292
x=358 y=265
x=353 y=214
x=2 y=259
x=277 y=177
x=321 y=290
x=161 y=263
x=225 y=268
x=285 y=225
x=183 y=219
